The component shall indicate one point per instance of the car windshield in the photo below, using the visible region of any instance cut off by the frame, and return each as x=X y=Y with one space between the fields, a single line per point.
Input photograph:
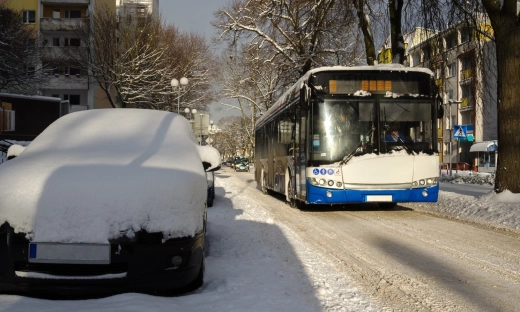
x=241 y=160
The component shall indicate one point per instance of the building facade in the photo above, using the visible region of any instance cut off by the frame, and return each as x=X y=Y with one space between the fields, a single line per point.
x=55 y=22
x=463 y=61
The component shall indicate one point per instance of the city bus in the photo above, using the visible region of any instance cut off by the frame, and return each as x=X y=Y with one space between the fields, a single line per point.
x=330 y=139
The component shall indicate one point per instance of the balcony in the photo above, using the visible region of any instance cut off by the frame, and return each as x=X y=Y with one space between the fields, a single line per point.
x=466 y=104
x=466 y=74
x=61 y=24
x=66 y=82
x=62 y=54
x=65 y=2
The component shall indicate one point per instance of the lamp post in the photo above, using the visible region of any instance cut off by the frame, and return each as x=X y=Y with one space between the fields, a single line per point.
x=175 y=85
x=210 y=131
x=450 y=101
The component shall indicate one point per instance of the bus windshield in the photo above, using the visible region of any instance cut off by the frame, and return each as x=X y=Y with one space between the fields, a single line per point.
x=343 y=128
x=340 y=127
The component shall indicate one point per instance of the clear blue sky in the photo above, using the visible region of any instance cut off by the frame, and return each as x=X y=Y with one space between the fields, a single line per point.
x=195 y=16
x=191 y=15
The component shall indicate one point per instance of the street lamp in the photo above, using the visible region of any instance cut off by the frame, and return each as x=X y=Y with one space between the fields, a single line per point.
x=210 y=131
x=175 y=85
x=200 y=142
x=193 y=112
x=450 y=101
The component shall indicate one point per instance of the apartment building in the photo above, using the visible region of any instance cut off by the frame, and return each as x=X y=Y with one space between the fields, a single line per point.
x=55 y=21
x=138 y=8
x=463 y=61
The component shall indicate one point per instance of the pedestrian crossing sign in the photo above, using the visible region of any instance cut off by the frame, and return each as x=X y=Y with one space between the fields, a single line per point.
x=459 y=132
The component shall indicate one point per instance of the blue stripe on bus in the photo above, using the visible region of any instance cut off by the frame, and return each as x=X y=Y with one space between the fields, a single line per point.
x=317 y=195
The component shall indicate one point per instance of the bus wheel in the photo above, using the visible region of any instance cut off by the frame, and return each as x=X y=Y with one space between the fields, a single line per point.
x=264 y=183
x=290 y=199
x=387 y=206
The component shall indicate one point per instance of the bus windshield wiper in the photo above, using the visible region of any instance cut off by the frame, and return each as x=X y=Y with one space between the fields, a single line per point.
x=351 y=154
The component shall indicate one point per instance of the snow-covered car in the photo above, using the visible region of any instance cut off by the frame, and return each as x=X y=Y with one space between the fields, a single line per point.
x=106 y=201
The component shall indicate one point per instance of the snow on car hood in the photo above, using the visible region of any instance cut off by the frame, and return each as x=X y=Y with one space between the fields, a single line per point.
x=92 y=175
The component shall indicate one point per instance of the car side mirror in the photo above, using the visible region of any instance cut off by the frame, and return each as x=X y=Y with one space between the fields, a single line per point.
x=207 y=165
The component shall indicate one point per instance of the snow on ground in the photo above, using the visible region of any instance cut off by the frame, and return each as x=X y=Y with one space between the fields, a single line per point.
x=497 y=210
x=254 y=265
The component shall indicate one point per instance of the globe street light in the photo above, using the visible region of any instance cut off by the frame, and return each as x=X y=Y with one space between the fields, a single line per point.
x=193 y=112
x=175 y=85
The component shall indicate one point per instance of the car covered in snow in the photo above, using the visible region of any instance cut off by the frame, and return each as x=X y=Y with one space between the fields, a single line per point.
x=106 y=201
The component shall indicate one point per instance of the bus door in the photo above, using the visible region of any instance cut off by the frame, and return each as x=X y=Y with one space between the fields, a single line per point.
x=271 y=137
x=301 y=153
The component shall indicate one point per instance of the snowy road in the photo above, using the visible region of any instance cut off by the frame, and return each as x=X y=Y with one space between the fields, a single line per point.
x=265 y=256
x=408 y=260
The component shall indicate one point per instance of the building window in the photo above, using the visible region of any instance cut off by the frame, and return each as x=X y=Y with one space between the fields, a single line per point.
x=451 y=40
x=55 y=95
x=56 y=14
x=452 y=69
x=72 y=14
x=72 y=42
x=55 y=42
x=465 y=33
x=72 y=98
x=29 y=17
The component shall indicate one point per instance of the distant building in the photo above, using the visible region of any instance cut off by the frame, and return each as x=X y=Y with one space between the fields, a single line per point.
x=138 y=8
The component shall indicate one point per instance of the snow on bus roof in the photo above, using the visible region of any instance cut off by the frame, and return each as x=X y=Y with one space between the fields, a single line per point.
x=299 y=84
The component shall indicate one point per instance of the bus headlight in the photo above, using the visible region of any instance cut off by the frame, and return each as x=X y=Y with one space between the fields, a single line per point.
x=338 y=184
x=322 y=181
x=425 y=193
x=425 y=182
x=330 y=183
x=314 y=181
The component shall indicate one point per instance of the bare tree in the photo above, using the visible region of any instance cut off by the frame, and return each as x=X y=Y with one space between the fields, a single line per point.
x=294 y=35
x=19 y=54
x=134 y=58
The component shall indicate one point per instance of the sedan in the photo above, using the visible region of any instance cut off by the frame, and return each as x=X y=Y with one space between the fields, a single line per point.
x=106 y=201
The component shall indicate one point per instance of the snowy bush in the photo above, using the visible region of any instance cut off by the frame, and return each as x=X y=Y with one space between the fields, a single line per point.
x=468 y=177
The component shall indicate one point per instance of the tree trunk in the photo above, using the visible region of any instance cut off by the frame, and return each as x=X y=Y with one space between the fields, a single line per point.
x=508 y=63
x=507 y=39
x=395 y=9
x=366 y=29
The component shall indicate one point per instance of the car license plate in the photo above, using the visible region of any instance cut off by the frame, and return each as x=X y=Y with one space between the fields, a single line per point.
x=379 y=198
x=69 y=253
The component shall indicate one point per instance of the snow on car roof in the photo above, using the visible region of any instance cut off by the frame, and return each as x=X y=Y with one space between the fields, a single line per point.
x=93 y=175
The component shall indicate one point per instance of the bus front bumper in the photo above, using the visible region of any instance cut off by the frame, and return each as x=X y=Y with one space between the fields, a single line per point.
x=319 y=195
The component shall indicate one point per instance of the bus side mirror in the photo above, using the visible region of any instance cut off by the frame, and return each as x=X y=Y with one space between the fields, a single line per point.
x=304 y=97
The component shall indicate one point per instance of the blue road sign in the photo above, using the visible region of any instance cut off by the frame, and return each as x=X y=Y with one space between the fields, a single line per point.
x=459 y=132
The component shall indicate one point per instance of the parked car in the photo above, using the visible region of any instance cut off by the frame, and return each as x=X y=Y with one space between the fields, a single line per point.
x=106 y=201
x=241 y=164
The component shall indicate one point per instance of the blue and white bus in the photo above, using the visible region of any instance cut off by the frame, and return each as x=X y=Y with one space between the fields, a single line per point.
x=331 y=138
